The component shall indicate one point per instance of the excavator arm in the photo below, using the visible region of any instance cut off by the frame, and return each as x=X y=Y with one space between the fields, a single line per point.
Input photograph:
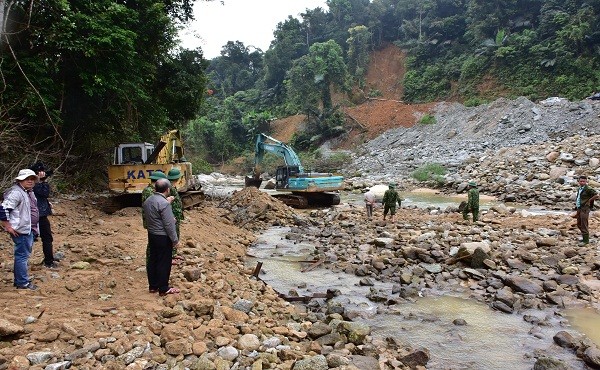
x=267 y=144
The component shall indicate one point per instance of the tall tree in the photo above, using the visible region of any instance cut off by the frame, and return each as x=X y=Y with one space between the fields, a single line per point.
x=315 y=74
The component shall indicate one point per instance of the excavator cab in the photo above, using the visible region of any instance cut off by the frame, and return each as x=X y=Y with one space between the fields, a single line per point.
x=283 y=174
x=133 y=153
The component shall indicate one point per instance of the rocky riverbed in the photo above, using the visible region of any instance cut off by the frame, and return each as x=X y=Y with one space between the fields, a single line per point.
x=517 y=149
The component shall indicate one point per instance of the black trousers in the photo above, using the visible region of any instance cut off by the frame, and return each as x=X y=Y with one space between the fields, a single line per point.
x=160 y=258
x=46 y=236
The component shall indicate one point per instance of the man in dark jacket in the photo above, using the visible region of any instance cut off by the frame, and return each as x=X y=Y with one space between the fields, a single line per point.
x=583 y=202
x=42 y=192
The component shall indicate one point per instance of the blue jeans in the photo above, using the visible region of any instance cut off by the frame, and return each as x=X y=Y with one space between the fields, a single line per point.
x=23 y=248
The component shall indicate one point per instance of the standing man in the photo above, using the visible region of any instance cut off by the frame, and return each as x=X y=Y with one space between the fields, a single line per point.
x=19 y=216
x=162 y=238
x=369 y=203
x=584 y=202
x=177 y=205
x=149 y=190
x=42 y=191
x=390 y=198
x=472 y=202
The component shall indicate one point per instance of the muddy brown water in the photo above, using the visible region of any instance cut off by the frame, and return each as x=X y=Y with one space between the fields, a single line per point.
x=489 y=340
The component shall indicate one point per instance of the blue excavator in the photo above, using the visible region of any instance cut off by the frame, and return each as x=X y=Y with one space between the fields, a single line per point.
x=305 y=188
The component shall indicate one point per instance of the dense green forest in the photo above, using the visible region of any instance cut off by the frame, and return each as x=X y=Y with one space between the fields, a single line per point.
x=80 y=76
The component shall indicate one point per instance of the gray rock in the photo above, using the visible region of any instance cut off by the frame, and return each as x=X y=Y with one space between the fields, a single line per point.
x=243 y=305
x=416 y=358
x=63 y=365
x=524 y=285
x=501 y=306
x=548 y=363
x=228 y=353
x=354 y=331
x=318 y=362
x=318 y=329
x=564 y=339
x=132 y=355
x=364 y=362
x=36 y=358
x=591 y=356
x=249 y=342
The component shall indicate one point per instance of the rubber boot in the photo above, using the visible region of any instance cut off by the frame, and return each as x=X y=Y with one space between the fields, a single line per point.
x=586 y=239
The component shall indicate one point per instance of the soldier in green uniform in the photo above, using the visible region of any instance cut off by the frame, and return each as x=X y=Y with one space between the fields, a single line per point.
x=390 y=198
x=584 y=203
x=177 y=205
x=472 y=202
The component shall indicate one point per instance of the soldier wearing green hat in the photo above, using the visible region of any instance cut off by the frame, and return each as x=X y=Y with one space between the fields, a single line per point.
x=177 y=204
x=472 y=202
x=390 y=198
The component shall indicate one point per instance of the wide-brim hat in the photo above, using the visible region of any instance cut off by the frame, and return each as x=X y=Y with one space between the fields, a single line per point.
x=26 y=173
x=157 y=175
x=174 y=174
x=472 y=183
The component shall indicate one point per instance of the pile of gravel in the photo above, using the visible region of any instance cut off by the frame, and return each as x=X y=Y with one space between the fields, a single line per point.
x=464 y=134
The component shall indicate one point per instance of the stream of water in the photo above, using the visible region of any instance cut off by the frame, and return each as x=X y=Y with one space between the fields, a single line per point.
x=490 y=340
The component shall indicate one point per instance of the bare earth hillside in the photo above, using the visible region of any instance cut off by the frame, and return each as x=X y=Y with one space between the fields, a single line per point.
x=375 y=115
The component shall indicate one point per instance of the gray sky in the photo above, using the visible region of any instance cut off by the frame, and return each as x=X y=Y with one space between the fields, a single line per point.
x=249 y=21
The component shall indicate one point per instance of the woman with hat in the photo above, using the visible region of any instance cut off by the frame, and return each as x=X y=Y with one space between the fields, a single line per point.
x=177 y=205
x=472 y=202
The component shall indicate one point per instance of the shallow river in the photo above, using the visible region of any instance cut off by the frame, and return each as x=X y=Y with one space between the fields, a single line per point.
x=490 y=340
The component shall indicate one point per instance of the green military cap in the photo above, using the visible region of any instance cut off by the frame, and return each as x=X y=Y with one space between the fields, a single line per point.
x=174 y=174
x=157 y=175
x=472 y=183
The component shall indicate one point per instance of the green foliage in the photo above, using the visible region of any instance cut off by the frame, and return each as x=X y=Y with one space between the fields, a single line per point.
x=426 y=84
x=430 y=172
x=473 y=102
x=428 y=119
x=358 y=51
x=374 y=93
x=200 y=165
x=334 y=163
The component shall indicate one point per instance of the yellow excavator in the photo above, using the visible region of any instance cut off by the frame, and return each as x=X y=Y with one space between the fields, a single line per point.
x=133 y=163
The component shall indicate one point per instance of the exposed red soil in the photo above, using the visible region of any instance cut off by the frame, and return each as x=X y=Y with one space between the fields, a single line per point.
x=376 y=115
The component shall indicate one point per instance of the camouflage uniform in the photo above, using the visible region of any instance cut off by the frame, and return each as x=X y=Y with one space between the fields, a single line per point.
x=390 y=198
x=584 y=202
x=177 y=207
x=472 y=204
x=146 y=193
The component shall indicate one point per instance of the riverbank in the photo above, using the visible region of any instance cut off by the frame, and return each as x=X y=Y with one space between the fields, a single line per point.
x=514 y=262
x=95 y=311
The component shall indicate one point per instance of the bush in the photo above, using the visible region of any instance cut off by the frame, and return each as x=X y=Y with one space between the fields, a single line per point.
x=374 y=93
x=428 y=119
x=200 y=165
x=430 y=172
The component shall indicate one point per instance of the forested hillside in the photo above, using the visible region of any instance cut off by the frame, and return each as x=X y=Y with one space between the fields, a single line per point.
x=472 y=51
x=79 y=76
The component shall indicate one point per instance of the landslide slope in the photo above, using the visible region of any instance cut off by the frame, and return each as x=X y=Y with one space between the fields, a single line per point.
x=382 y=111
